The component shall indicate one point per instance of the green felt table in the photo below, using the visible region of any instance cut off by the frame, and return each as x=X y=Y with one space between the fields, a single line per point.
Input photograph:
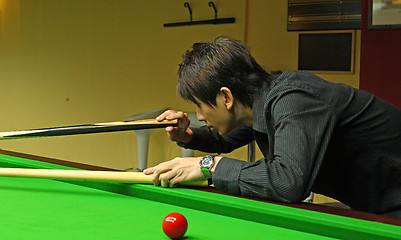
x=50 y=209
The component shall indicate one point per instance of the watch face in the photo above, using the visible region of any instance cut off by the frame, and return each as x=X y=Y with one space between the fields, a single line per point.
x=207 y=161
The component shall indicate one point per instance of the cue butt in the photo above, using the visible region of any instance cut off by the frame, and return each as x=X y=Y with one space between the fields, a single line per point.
x=108 y=176
x=89 y=128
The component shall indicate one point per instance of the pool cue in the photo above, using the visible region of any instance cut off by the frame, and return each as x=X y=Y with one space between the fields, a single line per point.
x=108 y=176
x=88 y=128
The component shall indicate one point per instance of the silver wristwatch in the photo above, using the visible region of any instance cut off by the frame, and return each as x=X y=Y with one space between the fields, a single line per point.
x=206 y=163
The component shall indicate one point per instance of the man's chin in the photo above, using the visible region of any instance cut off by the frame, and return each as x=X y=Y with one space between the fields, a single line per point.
x=222 y=132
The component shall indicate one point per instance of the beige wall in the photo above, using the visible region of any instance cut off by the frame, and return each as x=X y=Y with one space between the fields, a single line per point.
x=275 y=47
x=69 y=62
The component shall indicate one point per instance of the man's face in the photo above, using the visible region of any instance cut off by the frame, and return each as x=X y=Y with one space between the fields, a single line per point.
x=218 y=117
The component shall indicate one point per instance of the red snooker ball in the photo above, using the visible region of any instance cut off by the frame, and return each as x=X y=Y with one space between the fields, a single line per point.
x=175 y=225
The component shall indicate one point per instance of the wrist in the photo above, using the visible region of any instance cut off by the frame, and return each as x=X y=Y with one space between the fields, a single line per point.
x=216 y=161
x=208 y=164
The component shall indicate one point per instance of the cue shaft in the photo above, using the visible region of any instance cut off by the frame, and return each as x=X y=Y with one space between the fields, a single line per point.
x=88 y=128
x=108 y=176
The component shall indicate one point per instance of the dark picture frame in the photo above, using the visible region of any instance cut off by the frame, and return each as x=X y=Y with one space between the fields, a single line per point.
x=327 y=52
x=384 y=14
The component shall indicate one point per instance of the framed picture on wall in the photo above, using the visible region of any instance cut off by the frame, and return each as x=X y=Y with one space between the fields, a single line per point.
x=329 y=52
x=383 y=14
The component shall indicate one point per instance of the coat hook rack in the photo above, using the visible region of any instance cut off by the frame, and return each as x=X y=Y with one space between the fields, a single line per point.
x=214 y=21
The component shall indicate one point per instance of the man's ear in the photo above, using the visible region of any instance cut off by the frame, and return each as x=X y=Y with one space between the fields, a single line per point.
x=228 y=97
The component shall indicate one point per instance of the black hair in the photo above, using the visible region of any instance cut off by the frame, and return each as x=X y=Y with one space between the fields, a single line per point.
x=225 y=62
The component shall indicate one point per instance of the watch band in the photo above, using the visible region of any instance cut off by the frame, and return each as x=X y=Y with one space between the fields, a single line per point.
x=206 y=172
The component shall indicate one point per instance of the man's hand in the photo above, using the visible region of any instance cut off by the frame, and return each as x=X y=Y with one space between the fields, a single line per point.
x=178 y=170
x=181 y=133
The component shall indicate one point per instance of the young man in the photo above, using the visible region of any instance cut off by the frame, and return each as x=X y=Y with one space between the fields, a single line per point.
x=315 y=135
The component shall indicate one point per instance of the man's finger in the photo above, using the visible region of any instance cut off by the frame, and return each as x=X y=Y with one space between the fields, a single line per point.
x=166 y=178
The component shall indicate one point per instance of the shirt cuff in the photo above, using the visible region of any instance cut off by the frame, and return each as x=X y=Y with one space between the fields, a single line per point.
x=226 y=175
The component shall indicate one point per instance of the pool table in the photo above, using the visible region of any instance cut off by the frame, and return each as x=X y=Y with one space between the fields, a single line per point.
x=51 y=209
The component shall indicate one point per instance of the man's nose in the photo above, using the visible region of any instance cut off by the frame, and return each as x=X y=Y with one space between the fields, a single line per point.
x=200 y=116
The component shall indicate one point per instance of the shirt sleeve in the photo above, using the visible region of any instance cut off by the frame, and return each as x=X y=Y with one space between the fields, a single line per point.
x=301 y=124
x=210 y=141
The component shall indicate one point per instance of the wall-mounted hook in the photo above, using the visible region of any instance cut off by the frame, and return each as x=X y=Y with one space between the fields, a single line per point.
x=186 y=4
x=211 y=4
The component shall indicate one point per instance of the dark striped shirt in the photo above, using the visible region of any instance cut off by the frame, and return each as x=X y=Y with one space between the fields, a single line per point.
x=315 y=136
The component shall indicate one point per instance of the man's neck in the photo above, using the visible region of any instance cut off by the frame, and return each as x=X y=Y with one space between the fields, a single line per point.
x=244 y=115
